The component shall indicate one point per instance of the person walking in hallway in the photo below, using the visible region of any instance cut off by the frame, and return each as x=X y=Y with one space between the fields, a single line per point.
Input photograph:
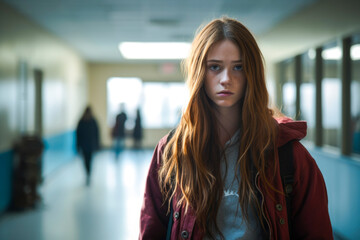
x=87 y=140
x=118 y=131
x=138 y=131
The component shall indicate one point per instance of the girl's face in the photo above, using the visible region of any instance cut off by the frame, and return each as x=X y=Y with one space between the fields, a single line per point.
x=225 y=81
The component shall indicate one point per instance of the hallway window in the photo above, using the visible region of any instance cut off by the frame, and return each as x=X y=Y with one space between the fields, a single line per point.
x=289 y=89
x=123 y=90
x=307 y=92
x=355 y=94
x=331 y=95
x=163 y=104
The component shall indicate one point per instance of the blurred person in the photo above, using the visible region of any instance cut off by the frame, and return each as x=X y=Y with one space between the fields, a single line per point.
x=87 y=140
x=137 y=131
x=118 y=131
x=217 y=176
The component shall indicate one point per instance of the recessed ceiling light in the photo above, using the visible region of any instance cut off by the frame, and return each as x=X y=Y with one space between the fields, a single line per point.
x=154 y=50
x=311 y=53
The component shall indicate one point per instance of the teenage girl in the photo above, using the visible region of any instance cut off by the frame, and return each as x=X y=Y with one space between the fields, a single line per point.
x=218 y=174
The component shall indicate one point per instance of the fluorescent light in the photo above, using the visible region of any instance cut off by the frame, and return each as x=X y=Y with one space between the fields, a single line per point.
x=332 y=53
x=355 y=52
x=154 y=50
x=311 y=53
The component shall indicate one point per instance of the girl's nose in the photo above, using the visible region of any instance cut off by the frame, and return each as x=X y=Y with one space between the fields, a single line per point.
x=225 y=77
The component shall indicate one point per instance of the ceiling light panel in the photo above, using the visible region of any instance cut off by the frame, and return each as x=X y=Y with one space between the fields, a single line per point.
x=154 y=50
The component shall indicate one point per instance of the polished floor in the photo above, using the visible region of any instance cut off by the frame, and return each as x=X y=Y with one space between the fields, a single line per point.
x=108 y=209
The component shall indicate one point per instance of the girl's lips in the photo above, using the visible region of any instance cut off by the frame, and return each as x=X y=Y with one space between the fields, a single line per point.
x=224 y=93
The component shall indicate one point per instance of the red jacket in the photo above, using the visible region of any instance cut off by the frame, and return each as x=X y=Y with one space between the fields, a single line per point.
x=310 y=217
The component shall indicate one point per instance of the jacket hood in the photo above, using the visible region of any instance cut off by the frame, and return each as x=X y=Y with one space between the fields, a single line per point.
x=290 y=130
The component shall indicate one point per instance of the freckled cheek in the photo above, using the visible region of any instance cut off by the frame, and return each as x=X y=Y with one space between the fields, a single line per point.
x=242 y=85
x=207 y=88
x=210 y=84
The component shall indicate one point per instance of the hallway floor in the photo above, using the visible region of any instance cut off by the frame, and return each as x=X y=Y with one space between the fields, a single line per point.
x=108 y=209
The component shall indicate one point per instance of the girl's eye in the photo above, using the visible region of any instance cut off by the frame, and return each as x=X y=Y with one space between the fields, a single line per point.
x=238 y=67
x=214 y=67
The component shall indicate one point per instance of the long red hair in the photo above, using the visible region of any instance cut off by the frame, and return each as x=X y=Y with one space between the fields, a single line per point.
x=191 y=160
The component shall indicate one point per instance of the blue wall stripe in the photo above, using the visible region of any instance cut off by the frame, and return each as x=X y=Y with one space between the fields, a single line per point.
x=5 y=179
x=59 y=150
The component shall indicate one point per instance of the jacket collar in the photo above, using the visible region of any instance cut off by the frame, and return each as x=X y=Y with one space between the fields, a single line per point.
x=289 y=129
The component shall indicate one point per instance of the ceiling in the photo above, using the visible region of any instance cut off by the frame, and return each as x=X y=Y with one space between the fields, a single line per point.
x=95 y=27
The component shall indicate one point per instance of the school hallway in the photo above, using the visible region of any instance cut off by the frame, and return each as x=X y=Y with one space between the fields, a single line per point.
x=108 y=209
x=59 y=58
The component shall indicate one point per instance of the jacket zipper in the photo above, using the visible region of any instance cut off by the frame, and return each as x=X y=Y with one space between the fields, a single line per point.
x=262 y=204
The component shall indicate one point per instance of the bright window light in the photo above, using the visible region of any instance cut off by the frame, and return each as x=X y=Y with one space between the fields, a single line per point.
x=169 y=99
x=355 y=52
x=154 y=50
x=289 y=99
x=332 y=53
x=123 y=90
x=331 y=103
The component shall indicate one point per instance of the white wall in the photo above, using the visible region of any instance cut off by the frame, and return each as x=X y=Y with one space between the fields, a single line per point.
x=65 y=78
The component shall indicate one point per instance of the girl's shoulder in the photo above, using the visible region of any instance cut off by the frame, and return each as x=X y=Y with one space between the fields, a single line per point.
x=304 y=164
x=164 y=140
x=290 y=130
x=159 y=149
